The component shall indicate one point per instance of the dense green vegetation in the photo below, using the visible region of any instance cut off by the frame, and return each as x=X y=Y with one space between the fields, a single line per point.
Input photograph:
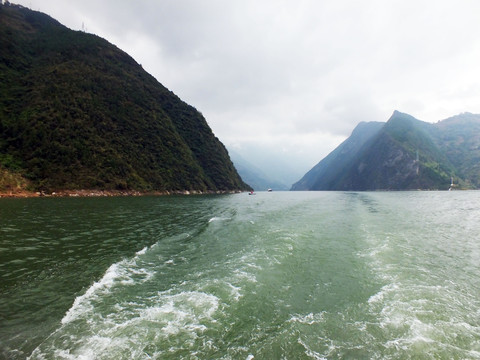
x=402 y=154
x=459 y=137
x=78 y=113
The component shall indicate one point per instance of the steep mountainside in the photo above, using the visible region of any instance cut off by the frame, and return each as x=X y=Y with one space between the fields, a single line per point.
x=402 y=154
x=76 y=112
x=326 y=172
x=459 y=137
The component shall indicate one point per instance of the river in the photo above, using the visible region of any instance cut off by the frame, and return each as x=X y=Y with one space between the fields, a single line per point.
x=280 y=275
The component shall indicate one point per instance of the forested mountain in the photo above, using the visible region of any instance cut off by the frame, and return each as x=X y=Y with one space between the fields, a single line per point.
x=403 y=153
x=78 y=113
x=459 y=138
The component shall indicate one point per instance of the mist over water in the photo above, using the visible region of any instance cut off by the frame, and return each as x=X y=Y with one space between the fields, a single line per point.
x=282 y=275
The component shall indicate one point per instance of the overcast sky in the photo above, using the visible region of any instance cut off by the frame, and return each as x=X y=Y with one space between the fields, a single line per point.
x=296 y=76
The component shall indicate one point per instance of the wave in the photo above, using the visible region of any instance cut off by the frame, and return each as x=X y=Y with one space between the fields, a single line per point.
x=124 y=313
x=217 y=218
x=123 y=273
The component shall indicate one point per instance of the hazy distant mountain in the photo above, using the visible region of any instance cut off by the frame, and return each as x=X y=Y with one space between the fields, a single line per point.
x=273 y=164
x=253 y=176
x=77 y=112
x=403 y=153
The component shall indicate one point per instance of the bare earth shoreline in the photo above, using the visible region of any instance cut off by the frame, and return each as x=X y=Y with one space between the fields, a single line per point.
x=102 y=193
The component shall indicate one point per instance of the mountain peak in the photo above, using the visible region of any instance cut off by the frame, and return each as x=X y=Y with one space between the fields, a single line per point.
x=398 y=115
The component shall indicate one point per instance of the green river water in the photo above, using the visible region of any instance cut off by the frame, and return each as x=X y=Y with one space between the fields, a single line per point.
x=281 y=275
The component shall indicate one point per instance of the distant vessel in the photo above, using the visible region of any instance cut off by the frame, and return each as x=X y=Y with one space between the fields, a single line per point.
x=251 y=193
x=451 y=184
x=269 y=190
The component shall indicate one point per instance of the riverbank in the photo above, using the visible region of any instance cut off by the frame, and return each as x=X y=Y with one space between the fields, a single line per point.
x=106 y=193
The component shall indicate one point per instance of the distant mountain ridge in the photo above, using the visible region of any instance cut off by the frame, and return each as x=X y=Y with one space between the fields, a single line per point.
x=254 y=176
x=78 y=113
x=402 y=154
